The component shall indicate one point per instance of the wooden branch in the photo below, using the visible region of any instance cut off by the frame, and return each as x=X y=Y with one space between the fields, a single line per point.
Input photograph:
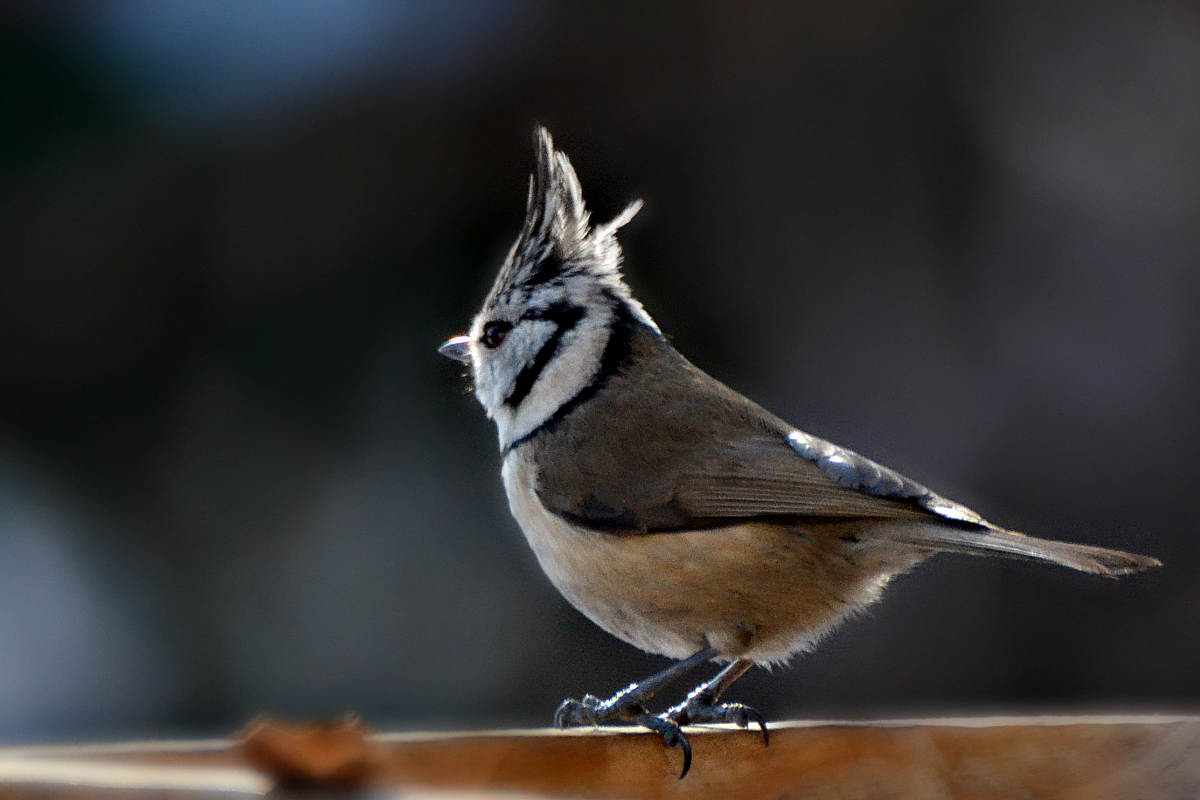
x=1060 y=757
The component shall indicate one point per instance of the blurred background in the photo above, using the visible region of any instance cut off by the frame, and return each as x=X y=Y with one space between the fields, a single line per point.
x=235 y=476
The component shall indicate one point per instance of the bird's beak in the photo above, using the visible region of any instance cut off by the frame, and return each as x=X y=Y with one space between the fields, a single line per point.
x=458 y=348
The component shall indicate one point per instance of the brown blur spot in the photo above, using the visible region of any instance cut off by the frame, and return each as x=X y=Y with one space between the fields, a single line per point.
x=313 y=753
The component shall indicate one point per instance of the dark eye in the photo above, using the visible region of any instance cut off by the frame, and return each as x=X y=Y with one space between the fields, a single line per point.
x=494 y=333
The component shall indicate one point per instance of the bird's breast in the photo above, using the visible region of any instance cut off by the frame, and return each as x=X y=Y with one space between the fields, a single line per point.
x=754 y=590
x=593 y=569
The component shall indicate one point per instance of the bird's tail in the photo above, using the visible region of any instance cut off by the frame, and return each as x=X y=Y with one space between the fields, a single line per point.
x=999 y=542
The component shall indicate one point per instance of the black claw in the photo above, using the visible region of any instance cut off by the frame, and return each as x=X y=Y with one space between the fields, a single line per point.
x=686 y=746
x=565 y=708
x=672 y=736
x=762 y=725
x=745 y=715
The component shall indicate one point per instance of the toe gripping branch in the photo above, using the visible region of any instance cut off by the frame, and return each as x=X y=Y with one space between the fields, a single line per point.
x=700 y=706
x=591 y=710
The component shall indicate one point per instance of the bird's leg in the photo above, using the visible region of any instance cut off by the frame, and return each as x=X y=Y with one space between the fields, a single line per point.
x=701 y=704
x=627 y=705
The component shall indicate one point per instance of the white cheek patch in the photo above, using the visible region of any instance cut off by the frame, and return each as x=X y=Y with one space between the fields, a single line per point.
x=524 y=343
x=497 y=370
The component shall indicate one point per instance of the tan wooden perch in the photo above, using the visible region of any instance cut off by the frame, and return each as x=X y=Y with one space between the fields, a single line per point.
x=1051 y=757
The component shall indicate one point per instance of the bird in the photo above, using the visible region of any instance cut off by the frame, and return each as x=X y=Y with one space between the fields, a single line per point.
x=675 y=513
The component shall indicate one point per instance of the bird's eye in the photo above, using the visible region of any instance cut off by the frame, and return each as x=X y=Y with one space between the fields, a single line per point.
x=494 y=333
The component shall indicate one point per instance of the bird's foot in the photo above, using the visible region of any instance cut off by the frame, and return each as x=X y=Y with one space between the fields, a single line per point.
x=629 y=705
x=701 y=707
x=624 y=706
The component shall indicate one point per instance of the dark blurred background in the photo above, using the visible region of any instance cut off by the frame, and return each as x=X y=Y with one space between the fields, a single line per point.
x=235 y=477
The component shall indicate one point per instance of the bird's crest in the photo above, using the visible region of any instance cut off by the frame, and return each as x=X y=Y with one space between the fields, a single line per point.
x=556 y=242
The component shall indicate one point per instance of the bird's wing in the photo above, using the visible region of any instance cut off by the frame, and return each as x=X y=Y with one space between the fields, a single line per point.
x=738 y=463
x=759 y=476
x=800 y=474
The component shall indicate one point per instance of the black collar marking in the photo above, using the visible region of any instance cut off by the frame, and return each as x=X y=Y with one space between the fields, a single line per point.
x=616 y=354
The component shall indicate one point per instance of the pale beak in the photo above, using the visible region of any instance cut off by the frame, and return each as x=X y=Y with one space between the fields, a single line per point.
x=458 y=348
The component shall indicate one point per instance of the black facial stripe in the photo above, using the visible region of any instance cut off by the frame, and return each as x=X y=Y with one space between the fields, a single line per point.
x=565 y=317
x=612 y=361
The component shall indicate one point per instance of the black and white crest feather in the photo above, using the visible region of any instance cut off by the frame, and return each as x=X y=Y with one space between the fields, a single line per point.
x=557 y=246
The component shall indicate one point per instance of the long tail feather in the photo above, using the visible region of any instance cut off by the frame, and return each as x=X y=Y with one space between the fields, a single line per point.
x=1082 y=557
